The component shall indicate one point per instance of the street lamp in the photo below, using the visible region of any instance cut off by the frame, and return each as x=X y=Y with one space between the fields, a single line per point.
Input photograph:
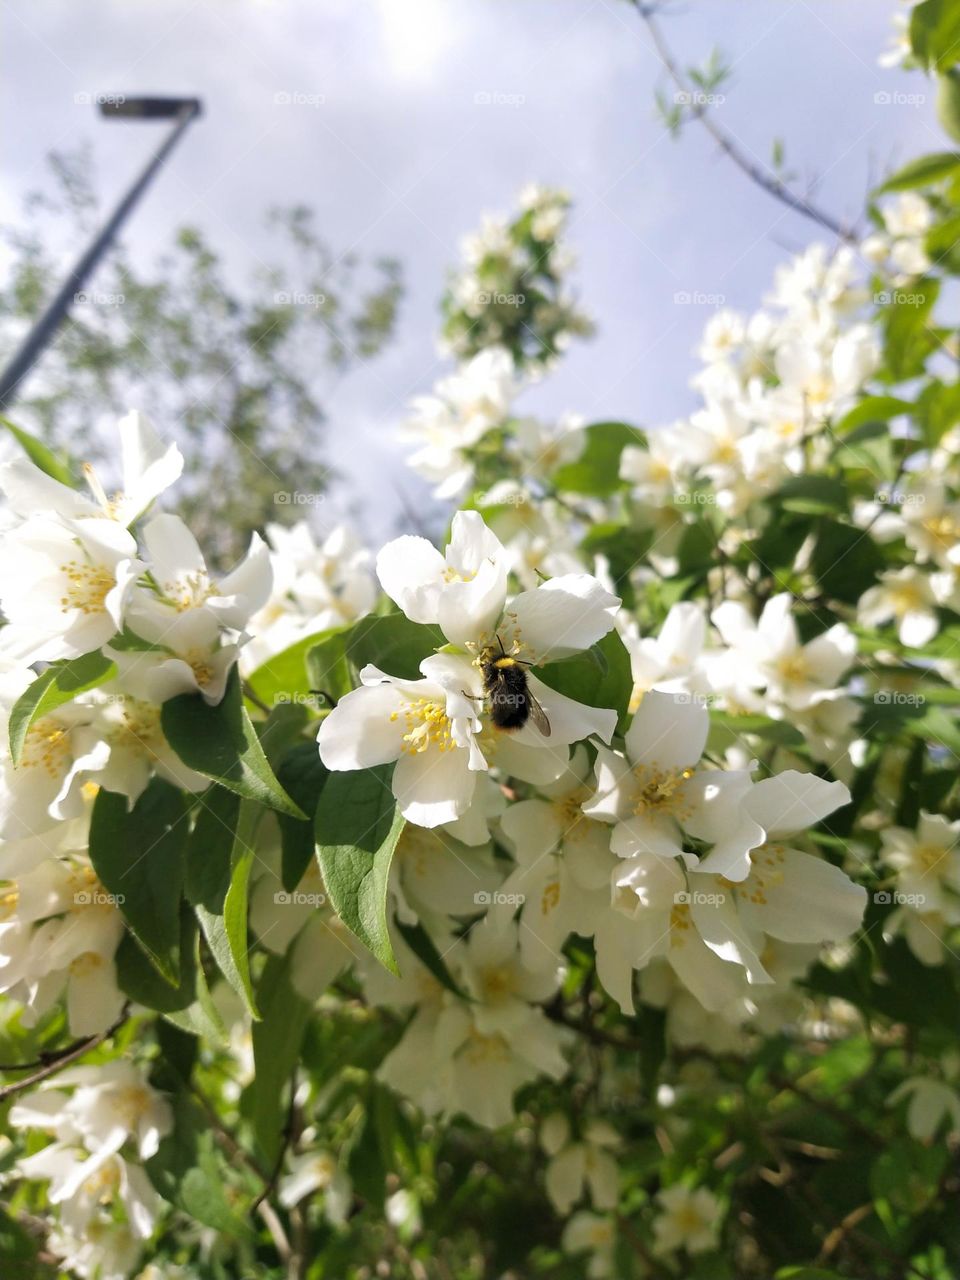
x=182 y=111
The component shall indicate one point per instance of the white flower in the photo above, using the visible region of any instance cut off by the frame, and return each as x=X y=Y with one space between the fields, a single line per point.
x=668 y=660
x=183 y=614
x=183 y=587
x=113 y=1104
x=590 y=1232
x=653 y=470
x=688 y=1219
x=905 y=595
x=315 y=587
x=584 y=1164
x=656 y=793
x=931 y=1102
x=502 y=981
x=927 y=861
x=147 y=470
x=59 y=930
x=314 y=1171
x=464 y=591
x=561 y=854
x=427 y=726
x=61 y=753
x=795 y=675
x=64 y=585
x=907 y=214
x=187 y=656
x=463 y=408
x=899 y=48
x=131 y=730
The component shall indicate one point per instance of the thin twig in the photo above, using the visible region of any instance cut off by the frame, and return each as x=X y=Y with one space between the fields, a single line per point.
x=286 y=1137
x=763 y=178
x=55 y=1062
x=233 y=1148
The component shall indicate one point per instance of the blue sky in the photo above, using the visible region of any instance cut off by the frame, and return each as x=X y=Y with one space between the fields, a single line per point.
x=384 y=136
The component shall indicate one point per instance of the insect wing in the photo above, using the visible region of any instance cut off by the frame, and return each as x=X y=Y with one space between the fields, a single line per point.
x=538 y=715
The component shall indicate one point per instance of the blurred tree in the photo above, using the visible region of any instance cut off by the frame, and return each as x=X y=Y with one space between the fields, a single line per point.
x=232 y=371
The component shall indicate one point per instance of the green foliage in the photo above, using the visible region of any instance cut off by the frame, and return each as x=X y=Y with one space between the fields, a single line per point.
x=597 y=470
x=59 y=684
x=220 y=742
x=138 y=854
x=357 y=829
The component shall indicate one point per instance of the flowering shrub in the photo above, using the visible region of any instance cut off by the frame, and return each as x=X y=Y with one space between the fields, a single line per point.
x=582 y=898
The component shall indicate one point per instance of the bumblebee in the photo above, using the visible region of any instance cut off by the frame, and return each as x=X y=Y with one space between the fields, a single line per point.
x=508 y=692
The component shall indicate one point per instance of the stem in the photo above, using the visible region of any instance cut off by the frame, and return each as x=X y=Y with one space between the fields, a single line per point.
x=763 y=178
x=54 y=1062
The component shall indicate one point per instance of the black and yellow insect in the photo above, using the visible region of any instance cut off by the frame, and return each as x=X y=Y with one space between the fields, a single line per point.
x=509 y=697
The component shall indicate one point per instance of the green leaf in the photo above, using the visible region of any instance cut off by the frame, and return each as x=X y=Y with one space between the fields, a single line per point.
x=624 y=547
x=935 y=33
x=56 y=467
x=948 y=103
x=138 y=978
x=938 y=407
x=328 y=668
x=357 y=829
x=811 y=495
x=276 y=1050
x=597 y=470
x=599 y=677
x=908 y=338
x=806 y=1273
x=60 y=683
x=221 y=743
x=923 y=171
x=303 y=775
x=872 y=409
x=210 y=847
x=424 y=948
x=139 y=857
x=286 y=672
x=845 y=561
x=189 y=1171
x=394 y=644
x=224 y=923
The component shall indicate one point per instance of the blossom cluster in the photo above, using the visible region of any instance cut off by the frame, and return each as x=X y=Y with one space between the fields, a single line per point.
x=512 y=288
x=655 y=740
